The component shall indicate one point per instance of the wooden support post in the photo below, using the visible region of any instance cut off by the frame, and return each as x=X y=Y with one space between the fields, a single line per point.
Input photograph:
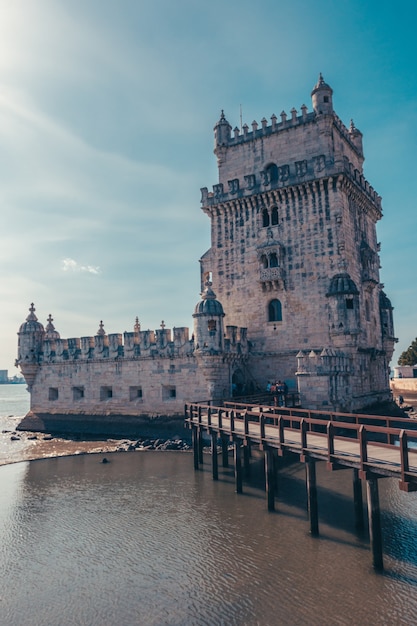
x=225 y=451
x=357 y=499
x=312 y=497
x=214 y=463
x=200 y=446
x=246 y=460
x=276 y=468
x=238 y=466
x=270 y=479
x=374 y=516
x=194 y=434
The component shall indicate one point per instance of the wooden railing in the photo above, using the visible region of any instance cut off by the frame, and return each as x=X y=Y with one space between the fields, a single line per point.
x=373 y=444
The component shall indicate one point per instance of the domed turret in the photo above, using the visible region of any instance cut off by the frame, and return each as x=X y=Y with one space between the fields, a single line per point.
x=343 y=298
x=387 y=323
x=322 y=97
x=222 y=134
x=356 y=137
x=222 y=131
x=208 y=322
x=31 y=335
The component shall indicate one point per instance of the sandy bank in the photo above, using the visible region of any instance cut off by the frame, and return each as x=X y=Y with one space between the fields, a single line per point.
x=21 y=446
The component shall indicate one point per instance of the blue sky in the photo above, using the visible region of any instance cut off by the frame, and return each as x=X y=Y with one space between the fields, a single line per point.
x=106 y=136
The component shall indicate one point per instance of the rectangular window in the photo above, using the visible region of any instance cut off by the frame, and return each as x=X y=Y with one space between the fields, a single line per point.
x=53 y=393
x=135 y=393
x=77 y=393
x=349 y=303
x=106 y=393
x=169 y=392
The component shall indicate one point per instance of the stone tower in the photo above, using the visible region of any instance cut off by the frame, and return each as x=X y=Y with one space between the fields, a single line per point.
x=294 y=254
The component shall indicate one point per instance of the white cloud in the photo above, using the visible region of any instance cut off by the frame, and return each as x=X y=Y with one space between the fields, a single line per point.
x=69 y=265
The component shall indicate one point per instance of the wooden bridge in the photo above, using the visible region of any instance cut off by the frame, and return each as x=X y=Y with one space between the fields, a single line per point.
x=372 y=446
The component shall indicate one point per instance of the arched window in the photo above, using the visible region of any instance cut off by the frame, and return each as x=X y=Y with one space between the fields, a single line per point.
x=274 y=216
x=265 y=218
x=274 y=311
x=272 y=172
x=273 y=260
x=264 y=261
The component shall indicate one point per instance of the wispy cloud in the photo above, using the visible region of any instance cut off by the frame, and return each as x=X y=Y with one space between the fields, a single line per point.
x=69 y=265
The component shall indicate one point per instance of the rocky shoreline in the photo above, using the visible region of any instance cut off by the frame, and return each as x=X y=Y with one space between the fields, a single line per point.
x=30 y=446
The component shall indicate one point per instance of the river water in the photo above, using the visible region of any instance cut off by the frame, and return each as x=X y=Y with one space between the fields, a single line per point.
x=146 y=540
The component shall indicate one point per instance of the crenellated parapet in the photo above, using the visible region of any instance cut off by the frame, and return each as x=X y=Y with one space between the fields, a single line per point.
x=139 y=344
x=325 y=362
x=244 y=135
x=286 y=175
x=162 y=342
x=355 y=176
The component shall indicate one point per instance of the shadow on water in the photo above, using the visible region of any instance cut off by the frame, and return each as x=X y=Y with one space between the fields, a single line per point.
x=336 y=507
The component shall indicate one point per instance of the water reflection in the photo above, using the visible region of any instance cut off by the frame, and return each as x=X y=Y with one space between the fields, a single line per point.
x=146 y=540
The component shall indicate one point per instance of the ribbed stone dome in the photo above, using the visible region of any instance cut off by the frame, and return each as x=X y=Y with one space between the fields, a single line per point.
x=208 y=304
x=321 y=84
x=342 y=284
x=31 y=325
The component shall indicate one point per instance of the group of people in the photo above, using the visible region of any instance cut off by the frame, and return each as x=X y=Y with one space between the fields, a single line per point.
x=280 y=390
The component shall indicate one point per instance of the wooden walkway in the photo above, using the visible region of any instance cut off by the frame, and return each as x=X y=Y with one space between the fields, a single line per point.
x=373 y=446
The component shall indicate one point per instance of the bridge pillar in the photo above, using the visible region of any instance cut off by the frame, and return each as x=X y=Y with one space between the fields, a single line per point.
x=246 y=459
x=276 y=468
x=214 y=460
x=374 y=516
x=313 y=513
x=270 y=479
x=238 y=466
x=357 y=499
x=194 y=436
x=200 y=446
x=225 y=451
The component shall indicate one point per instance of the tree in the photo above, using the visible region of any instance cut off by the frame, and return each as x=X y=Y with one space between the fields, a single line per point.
x=409 y=356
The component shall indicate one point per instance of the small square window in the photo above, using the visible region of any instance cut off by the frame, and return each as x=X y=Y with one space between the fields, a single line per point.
x=77 y=393
x=106 y=393
x=53 y=393
x=135 y=393
x=169 y=392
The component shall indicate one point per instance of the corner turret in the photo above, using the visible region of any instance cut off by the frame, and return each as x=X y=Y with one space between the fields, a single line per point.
x=31 y=335
x=222 y=135
x=208 y=323
x=356 y=138
x=322 y=97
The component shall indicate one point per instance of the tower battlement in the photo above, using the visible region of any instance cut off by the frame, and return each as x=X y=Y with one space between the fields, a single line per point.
x=288 y=175
x=141 y=344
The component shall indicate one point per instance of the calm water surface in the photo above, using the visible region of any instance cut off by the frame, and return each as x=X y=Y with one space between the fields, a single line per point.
x=146 y=540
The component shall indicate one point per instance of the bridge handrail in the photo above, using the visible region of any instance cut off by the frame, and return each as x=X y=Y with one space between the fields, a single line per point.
x=281 y=420
x=332 y=415
x=254 y=416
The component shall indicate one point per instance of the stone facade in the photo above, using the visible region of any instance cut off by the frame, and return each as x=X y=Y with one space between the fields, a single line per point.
x=294 y=259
